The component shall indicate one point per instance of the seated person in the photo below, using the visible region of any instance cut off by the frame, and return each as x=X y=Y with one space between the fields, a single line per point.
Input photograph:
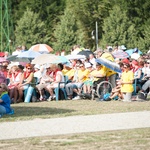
x=116 y=92
x=14 y=82
x=46 y=80
x=27 y=77
x=145 y=90
x=94 y=78
x=59 y=77
x=4 y=100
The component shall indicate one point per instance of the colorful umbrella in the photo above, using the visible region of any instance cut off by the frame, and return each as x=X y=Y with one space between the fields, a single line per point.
x=109 y=64
x=42 y=48
x=120 y=54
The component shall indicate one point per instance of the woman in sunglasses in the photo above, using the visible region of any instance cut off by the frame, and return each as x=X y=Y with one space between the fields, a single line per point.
x=126 y=82
x=26 y=78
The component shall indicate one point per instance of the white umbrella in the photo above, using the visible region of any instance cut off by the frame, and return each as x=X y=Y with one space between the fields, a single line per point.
x=49 y=59
x=70 y=57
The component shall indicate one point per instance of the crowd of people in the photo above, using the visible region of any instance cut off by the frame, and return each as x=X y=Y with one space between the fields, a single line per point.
x=82 y=75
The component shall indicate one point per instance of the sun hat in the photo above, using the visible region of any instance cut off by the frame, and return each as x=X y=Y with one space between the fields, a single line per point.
x=126 y=61
x=87 y=65
x=123 y=47
x=37 y=66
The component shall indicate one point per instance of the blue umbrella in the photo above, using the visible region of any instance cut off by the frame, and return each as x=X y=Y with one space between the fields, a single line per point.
x=29 y=54
x=109 y=64
x=130 y=51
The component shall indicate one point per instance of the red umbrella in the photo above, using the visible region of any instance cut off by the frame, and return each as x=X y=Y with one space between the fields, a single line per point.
x=120 y=54
x=41 y=48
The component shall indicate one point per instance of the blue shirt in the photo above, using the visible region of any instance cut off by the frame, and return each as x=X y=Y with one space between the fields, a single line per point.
x=6 y=101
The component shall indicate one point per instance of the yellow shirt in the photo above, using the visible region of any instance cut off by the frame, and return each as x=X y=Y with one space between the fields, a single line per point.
x=83 y=75
x=108 y=71
x=64 y=71
x=70 y=73
x=98 y=72
x=127 y=77
x=108 y=56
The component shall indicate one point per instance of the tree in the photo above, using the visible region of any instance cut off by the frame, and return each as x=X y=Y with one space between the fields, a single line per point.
x=30 y=29
x=65 y=32
x=118 y=29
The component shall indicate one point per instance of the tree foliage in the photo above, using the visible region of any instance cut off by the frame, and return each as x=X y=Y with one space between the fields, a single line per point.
x=30 y=29
x=118 y=29
x=70 y=22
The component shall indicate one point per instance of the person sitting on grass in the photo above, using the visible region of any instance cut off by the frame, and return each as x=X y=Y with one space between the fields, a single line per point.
x=116 y=93
x=4 y=100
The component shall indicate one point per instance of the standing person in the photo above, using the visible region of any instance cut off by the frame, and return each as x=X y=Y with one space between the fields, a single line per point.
x=4 y=100
x=126 y=82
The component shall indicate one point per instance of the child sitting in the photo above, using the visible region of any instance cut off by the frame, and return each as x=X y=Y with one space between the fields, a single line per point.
x=116 y=93
x=4 y=100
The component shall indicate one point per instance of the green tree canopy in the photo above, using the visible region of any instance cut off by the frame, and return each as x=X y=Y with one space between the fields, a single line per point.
x=30 y=29
x=118 y=29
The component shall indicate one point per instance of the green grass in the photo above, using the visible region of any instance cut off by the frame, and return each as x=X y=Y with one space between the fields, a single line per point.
x=136 y=139
x=53 y=109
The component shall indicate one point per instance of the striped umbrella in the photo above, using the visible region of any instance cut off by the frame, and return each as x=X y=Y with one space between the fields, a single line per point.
x=120 y=54
x=42 y=48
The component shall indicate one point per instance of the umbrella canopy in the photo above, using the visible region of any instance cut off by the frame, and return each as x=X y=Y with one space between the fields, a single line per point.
x=28 y=54
x=42 y=48
x=120 y=54
x=49 y=59
x=86 y=52
x=3 y=59
x=14 y=58
x=71 y=57
x=109 y=64
x=130 y=51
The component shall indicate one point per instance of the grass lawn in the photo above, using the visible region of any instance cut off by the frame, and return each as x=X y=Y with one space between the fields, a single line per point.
x=136 y=139
x=53 y=109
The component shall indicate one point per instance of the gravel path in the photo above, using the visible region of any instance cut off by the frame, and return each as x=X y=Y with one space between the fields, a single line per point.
x=74 y=124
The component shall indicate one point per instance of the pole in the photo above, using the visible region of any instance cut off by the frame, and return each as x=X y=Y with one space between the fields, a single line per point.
x=96 y=36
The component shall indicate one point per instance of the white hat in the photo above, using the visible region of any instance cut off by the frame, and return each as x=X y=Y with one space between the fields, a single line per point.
x=37 y=66
x=87 y=65
x=123 y=47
